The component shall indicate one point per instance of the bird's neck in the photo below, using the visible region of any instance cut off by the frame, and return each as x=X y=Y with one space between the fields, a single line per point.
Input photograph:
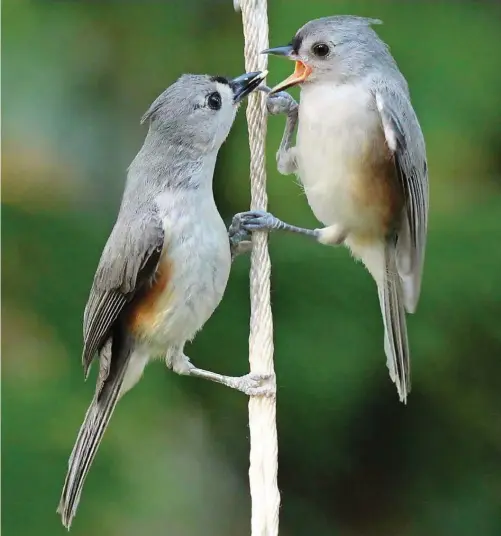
x=163 y=165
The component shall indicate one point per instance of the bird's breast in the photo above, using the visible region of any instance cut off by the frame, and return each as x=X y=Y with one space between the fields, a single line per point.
x=343 y=160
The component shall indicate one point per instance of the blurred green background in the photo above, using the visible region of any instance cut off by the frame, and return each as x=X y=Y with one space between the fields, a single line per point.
x=353 y=461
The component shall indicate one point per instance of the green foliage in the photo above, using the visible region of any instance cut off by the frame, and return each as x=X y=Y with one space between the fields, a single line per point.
x=353 y=461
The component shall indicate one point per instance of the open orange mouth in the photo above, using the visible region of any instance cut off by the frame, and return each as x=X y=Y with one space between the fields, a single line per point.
x=300 y=74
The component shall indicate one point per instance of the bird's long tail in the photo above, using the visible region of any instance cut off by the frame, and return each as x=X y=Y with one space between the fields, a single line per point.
x=396 y=344
x=88 y=440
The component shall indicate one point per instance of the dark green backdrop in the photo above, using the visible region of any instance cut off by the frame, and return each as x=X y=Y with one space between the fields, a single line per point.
x=353 y=461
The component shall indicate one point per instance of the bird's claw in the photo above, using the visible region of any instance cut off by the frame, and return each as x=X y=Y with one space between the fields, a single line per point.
x=245 y=223
x=253 y=384
x=279 y=103
x=240 y=238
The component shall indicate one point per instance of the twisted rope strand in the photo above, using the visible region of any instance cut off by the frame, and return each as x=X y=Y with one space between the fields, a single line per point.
x=263 y=468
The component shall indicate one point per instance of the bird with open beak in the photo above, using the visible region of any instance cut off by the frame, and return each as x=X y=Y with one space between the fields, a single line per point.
x=360 y=155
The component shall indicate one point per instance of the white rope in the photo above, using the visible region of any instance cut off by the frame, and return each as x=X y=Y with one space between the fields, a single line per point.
x=263 y=468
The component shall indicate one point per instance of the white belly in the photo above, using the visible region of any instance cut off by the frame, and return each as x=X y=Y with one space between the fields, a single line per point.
x=335 y=137
x=197 y=245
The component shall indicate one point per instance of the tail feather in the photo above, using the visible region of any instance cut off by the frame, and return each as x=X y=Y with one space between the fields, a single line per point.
x=88 y=440
x=396 y=344
x=410 y=267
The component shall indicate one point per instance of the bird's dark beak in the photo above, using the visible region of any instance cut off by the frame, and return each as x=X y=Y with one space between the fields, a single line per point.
x=245 y=84
x=279 y=51
x=301 y=72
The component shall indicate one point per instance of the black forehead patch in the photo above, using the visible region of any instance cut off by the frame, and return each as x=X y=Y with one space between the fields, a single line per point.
x=296 y=43
x=221 y=80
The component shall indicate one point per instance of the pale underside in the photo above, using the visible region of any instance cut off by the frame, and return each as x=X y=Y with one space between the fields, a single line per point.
x=346 y=168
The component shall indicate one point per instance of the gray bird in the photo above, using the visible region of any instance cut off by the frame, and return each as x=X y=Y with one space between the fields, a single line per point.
x=360 y=156
x=165 y=266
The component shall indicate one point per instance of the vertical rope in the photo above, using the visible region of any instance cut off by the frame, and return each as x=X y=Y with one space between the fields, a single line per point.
x=263 y=468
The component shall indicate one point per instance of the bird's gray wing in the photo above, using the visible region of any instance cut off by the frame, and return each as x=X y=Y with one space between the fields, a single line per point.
x=128 y=262
x=405 y=138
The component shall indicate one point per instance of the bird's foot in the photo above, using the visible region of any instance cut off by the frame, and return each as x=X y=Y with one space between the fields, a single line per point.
x=260 y=220
x=279 y=103
x=240 y=238
x=251 y=384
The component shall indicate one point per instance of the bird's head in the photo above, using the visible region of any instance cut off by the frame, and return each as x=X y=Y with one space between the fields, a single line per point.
x=331 y=49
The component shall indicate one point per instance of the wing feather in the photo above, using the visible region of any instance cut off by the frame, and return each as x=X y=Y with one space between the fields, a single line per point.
x=129 y=261
x=405 y=138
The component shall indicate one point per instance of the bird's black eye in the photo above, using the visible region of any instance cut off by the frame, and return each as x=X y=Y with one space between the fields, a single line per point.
x=320 y=50
x=214 y=101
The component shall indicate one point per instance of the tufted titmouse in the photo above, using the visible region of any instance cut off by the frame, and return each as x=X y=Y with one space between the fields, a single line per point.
x=360 y=155
x=165 y=266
